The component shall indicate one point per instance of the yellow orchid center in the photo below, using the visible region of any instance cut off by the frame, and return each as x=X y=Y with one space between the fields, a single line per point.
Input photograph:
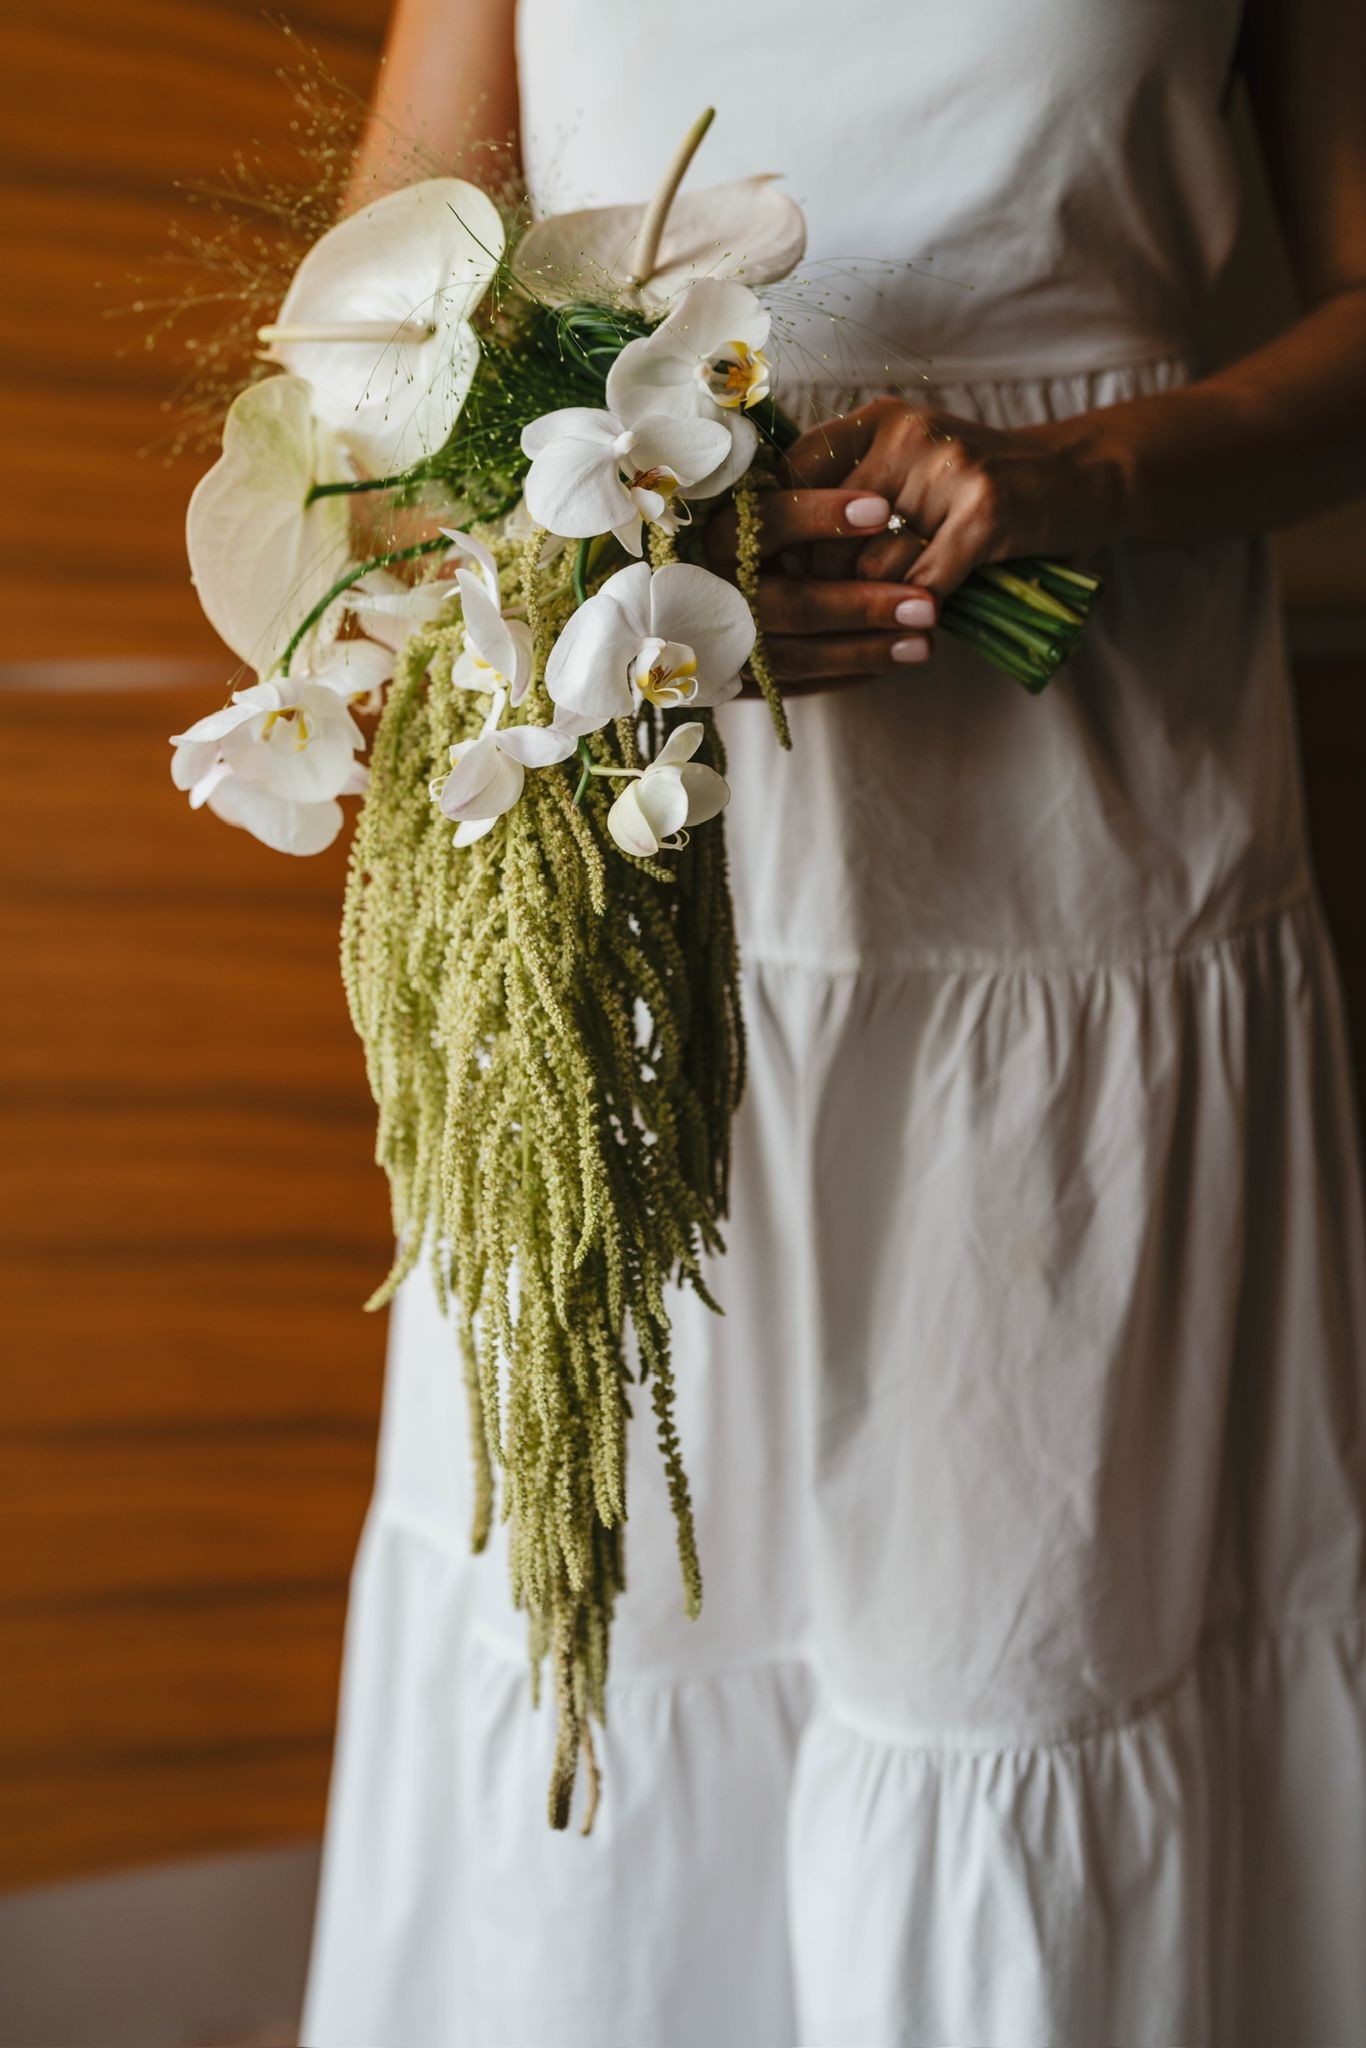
x=740 y=378
x=665 y=673
x=289 y=714
x=663 y=481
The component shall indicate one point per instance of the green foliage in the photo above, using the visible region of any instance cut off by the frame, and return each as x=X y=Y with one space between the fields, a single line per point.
x=553 y=1038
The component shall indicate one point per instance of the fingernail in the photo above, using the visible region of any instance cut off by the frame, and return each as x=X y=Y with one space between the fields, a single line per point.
x=915 y=611
x=867 y=512
x=910 y=650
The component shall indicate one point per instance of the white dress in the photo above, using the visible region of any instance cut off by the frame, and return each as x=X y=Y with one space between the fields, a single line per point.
x=1028 y=1703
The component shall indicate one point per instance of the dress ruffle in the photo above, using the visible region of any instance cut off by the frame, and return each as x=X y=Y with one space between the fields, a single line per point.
x=1028 y=1701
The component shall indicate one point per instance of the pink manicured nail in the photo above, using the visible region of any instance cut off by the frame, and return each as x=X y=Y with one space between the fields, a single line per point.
x=915 y=611
x=867 y=512
x=910 y=650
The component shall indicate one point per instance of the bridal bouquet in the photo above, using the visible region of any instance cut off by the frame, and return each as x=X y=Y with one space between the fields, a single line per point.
x=538 y=946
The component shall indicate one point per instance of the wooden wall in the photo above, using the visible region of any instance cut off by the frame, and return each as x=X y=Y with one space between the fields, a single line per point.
x=190 y=1218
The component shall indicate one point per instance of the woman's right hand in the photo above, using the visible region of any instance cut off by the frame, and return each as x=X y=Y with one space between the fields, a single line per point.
x=826 y=628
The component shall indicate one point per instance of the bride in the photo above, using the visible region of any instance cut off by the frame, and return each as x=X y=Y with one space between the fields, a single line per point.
x=1028 y=1704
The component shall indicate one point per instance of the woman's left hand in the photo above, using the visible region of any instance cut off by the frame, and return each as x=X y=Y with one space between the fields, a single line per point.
x=969 y=494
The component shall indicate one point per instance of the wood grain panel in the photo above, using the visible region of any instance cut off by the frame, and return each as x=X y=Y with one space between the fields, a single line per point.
x=190 y=1221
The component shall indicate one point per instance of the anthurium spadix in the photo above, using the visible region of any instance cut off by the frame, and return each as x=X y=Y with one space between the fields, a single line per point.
x=377 y=319
x=748 y=228
x=488 y=774
x=592 y=474
x=669 y=636
x=261 y=556
x=670 y=793
x=276 y=759
x=706 y=361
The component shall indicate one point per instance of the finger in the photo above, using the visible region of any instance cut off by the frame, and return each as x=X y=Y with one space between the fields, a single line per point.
x=889 y=558
x=833 y=559
x=790 y=605
x=804 y=657
x=950 y=556
x=789 y=517
x=827 y=452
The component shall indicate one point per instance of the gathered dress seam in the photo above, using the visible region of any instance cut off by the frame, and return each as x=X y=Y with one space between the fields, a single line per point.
x=1245 y=1635
x=933 y=371
x=1240 y=1637
x=1040 y=965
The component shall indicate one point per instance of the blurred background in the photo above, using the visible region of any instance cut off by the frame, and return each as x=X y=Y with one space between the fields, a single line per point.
x=190 y=1217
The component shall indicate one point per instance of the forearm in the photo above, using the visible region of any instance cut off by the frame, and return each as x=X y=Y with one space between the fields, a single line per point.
x=446 y=90
x=1275 y=437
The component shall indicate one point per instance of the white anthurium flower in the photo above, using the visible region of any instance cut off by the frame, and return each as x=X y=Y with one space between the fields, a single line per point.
x=675 y=635
x=377 y=319
x=591 y=474
x=498 y=652
x=488 y=774
x=706 y=361
x=261 y=556
x=747 y=228
x=666 y=796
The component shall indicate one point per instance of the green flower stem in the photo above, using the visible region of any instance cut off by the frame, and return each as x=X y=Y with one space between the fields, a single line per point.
x=365 y=483
x=587 y=760
x=584 y=550
x=410 y=554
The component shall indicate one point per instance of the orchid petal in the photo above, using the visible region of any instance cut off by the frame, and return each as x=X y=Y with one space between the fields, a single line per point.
x=483 y=783
x=681 y=744
x=354 y=668
x=707 y=792
x=245 y=705
x=285 y=826
x=535 y=746
x=466 y=547
x=573 y=489
x=629 y=826
x=710 y=616
x=587 y=673
x=586 y=423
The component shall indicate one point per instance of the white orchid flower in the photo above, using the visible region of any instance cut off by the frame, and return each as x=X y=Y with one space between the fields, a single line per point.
x=675 y=635
x=262 y=556
x=388 y=609
x=590 y=474
x=377 y=319
x=747 y=228
x=707 y=362
x=276 y=759
x=488 y=774
x=666 y=796
x=472 y=553
x=498 y=652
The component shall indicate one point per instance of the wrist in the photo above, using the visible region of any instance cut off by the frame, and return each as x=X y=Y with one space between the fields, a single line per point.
x=1105 y=477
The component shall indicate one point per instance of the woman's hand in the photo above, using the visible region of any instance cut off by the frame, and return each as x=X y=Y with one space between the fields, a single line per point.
x=968 y=494
x=825 y=632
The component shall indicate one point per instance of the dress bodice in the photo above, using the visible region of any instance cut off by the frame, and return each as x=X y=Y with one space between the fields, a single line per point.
x=994 y=185
x=1015 y=208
